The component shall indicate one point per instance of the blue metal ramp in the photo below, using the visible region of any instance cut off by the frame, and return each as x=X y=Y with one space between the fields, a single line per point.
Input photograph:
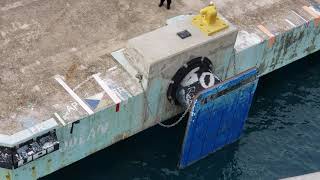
x=218 y=116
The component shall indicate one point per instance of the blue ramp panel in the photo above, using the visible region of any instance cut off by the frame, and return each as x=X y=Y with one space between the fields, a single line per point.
x=218 y=116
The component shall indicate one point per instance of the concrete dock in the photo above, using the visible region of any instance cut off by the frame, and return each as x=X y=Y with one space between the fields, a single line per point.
x=312 y=176
x=58 y=75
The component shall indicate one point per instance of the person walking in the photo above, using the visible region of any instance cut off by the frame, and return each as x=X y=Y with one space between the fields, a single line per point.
x=168 y=3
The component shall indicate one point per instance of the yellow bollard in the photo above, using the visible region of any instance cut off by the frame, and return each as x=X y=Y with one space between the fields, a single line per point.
x=209 y=15
x=208 y=20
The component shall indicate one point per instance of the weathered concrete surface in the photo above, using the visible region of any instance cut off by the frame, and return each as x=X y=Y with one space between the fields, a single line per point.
x=157 y=57
x=73 y=38
x=312 y=176
x=247 y=14
x=78 y=45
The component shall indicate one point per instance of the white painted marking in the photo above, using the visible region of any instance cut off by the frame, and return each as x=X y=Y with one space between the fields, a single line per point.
x=120 y=57
x=85 y=81
x=299 y=16
x=311 y=11
x=121 y=92
x=70 y=108
x=246 y=40
x=60 y=119
x=111 y=93
x=20 y=163
x=73 y=95
x=191 y=78
x=113 y=68
x=291 y=23
x=314 y=10
x=211 y=81
x=98 y=96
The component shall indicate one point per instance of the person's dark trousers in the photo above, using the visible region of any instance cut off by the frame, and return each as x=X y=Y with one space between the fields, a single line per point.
x=168 y=3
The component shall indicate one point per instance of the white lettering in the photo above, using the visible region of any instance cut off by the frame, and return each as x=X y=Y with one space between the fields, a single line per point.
x=190 y=78
x=211 y=80
x=75 y=105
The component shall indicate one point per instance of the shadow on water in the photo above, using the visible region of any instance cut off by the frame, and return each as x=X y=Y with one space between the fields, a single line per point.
x=281 y=139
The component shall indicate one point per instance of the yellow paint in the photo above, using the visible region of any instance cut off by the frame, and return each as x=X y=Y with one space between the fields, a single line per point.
x=34 y=173
x=8 y=177
x=208 y=20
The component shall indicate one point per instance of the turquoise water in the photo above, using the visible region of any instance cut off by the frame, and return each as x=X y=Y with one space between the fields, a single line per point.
x=281 y=139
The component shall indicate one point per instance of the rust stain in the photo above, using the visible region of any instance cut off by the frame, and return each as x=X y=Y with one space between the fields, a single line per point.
x=71 y=73
x=272 y=40
x=312 y=47
x=118 y=137
x=272 y=37
x=317 y=21
x=122 y=136
x=313 y=14
x=287 y=47
x=48 y=167
x=125 y=136
x=34 y=173
x=8 y=177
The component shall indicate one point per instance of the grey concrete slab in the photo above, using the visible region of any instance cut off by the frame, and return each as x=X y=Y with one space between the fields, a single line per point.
x=312 y=176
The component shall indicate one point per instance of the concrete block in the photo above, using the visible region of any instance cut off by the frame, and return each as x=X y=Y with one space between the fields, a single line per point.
x=160 y=53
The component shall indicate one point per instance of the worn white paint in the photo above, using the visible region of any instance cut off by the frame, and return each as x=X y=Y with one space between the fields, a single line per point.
x=289 y=22
x=190 y=78
x=120 y=57
x=80 y=140
x=202 y=80
x=82 y=83
x=314 y=10
x=60 y=119
x=73 y=94
x=246 y=40
x=110 y=93
x=70 y=108
x=298 y=15
x=113 y=68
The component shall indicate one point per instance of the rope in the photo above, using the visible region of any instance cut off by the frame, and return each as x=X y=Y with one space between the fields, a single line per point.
x=139 y=77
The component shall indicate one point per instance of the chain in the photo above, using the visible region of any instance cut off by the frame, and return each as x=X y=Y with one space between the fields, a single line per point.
x=139 y=77
x=178 y=121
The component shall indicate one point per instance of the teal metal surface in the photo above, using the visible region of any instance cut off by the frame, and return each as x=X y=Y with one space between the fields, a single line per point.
x=288 y=47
